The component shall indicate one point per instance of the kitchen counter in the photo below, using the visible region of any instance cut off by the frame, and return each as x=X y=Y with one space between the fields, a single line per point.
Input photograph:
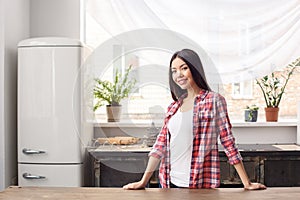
x=269 y=148
x=84 y=193
x=271 y=164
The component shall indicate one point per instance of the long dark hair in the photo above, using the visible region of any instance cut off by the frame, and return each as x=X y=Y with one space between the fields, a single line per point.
x=193 y=61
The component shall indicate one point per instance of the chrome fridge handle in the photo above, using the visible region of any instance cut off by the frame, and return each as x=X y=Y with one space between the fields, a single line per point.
x=31 y=151
x=30 y=176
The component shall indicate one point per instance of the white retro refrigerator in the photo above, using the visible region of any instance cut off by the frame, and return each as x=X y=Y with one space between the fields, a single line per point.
x=50 y=139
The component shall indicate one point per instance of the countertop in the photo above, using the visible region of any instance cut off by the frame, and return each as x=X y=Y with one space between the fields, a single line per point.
x=85 y=193
x=241 y=147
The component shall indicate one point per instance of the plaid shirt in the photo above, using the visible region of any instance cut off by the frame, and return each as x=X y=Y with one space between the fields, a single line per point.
x=210 y=121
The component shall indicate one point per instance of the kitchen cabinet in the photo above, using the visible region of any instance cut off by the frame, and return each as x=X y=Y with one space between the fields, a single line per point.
x=273 y=165
x=116 y=168
x=229 y=176
x=283 y=172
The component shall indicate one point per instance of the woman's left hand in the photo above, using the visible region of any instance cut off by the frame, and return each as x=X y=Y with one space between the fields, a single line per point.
x=255 y=186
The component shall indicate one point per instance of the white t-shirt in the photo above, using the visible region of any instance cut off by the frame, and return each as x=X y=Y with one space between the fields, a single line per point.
x=181 y=147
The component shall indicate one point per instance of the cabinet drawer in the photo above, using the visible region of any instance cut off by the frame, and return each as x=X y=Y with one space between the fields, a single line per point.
x=50 y=175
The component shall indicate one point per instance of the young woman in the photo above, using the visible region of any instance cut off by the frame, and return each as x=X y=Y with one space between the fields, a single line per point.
x=187 y=146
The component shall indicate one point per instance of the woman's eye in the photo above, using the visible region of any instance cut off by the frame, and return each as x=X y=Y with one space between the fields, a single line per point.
x=184 y=68
x=173 y=71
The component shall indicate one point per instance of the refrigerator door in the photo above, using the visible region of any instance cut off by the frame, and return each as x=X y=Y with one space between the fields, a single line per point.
x=50 y=175
x=49 y=104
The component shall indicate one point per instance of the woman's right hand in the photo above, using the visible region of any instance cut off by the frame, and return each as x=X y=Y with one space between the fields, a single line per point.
x=135 y=186
x=151 y=166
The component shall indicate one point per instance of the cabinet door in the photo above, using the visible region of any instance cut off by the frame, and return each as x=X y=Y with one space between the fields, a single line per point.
x=230 y=177
x=117 y=169
x=116 y=173
x=282 y=173
x=225 y=173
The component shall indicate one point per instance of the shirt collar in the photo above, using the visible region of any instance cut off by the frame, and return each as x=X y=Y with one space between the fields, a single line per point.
x=202 y=94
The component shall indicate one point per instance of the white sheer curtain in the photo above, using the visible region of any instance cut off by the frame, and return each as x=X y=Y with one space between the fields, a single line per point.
x=244 y=39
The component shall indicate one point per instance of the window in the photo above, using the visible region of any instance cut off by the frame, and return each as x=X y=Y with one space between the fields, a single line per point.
x=247 y=37
x=242 y=90
x=150 y=70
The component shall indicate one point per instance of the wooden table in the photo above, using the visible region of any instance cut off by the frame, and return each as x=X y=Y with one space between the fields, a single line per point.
x=86 y=193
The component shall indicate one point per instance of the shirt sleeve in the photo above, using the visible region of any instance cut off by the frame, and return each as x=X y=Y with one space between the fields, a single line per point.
x=159 y=147
x=226 y=137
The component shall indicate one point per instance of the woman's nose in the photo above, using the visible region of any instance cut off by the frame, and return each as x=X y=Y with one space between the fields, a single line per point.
x=180 y=73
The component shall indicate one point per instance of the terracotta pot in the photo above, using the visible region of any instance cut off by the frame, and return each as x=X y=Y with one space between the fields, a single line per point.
x=113 y=113
x=271 y=114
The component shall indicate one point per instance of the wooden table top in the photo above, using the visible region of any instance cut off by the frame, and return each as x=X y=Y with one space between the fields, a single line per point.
x=88 y=193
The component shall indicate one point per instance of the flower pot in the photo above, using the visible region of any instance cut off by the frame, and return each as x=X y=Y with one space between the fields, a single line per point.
x=271 y=114
x=251 y=115
x=113 y=113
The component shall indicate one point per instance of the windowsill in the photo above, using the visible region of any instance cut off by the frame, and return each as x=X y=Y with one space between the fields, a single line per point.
x=282 y=132
x=146 y=123
x=126 y=123
x=264 y=124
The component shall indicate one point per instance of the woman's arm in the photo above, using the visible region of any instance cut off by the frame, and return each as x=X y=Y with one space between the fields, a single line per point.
x=151 y=167
x=228 y=142
x=157 y=152
x=244 y=177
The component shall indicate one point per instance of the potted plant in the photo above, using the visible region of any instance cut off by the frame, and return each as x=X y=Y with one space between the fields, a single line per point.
x=112 y=93
x=251 y=113
x=273 y=87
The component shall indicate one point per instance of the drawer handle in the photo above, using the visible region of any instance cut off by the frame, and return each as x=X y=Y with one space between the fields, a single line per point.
x=30 y=176
x=31 y=151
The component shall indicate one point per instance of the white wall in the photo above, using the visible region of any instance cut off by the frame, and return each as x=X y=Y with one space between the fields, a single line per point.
x=21 y=19
x=55 y=18
x=14 y=23
x=2 y=95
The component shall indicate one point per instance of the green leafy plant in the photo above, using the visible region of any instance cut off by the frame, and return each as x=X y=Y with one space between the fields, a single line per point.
x=113 y=92
x=273 y=86
x=251 y=110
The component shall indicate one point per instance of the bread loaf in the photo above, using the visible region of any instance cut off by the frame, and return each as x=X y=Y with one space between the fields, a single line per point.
x=118 y=140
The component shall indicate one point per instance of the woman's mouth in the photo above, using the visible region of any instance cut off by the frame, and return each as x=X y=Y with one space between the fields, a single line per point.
x=182 y=81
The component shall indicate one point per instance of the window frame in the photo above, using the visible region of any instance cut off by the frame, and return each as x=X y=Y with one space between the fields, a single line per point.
x=242 y=94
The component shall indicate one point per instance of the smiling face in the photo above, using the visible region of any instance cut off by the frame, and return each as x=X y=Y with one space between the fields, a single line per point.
x=186 y=74
x=182 y=75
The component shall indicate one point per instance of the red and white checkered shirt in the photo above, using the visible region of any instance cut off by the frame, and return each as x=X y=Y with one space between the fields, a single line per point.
x=210 y=121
